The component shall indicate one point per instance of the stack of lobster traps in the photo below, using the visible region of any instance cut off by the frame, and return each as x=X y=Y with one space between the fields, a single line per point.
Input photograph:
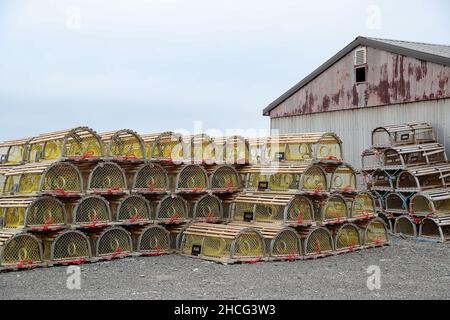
x=300 y=201
x=408 y=172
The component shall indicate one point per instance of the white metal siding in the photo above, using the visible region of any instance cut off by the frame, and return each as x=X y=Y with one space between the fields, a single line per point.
x=355 y=126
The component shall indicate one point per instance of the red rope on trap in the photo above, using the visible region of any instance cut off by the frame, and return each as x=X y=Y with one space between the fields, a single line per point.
x=300 y=218
x=48 y=221
x=76 y=261
x=318 y=247
x=253 y=261
x=378 y=241
x=317 y=191
x=332 y=158
x=113 y=190
x=94 y=223
x=87 y=155
x=116 y=253
x=23 y=263
x=61 y=192
x=155 y=254
x=173 y=218
x=291 y=256
x=210 y=216
x=352 y=246
x=347 y=189
x=135 y=218
x=366 y=215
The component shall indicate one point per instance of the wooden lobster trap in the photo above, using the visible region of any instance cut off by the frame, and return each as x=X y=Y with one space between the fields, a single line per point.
x=402 y=134
x=233 y=150
x=151 y=179
x=189 y=179
x=201 y=149
x=37 y=214
x=166 y=147
x=435 y=228
x=289 y=210
x=61 y=179
x=3 y=171
x=405 y=226
x=172 y=209
x=176 y=235
x=362 y=206
x=282 y=243
x=382 y=180
x=423 y=178
x=107 y=178
x=374 y=232
x=13 y=153
x=433 y=203
x=257 y=150
x=208 y=208
x=91 y=212
x=78 y=144
x=371 y=160
x=397 y=203
x=223 y=243
x=67 y=248
x=343 y=179
x=123 y=146
x=152 y=240
x=317 y=242
x=346 y=237
x=224 y=179
x=20 y=251
x=111 y=243
x=132 y=210
x=407 y=156
x=333 y=210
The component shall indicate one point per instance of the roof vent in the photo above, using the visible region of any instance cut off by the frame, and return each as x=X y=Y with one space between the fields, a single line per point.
x=360 y=56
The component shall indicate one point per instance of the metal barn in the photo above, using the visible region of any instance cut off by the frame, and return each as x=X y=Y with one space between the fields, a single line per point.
x=369 y=83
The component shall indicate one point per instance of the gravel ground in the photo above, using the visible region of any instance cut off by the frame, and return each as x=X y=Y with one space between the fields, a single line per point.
x=409 y=270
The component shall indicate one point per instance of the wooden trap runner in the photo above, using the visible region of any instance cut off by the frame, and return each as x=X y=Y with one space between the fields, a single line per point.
x=14 y=152
x=406 y=226
x=152 y=240
x=225 y=244
x=59 y=179
x=151 y=179
x=402 y=134
x=123 y=146
x=110 y=243
x=346 y=237
x=35 y=214
x=78 y=144
x=282 y=209
x=166 y=148
x=374 y=233
x=317 y=242
x=19 y=251
x=435 y=228
x=224 y=179
x=132 y=210
x=233 y=150
x=107 y=179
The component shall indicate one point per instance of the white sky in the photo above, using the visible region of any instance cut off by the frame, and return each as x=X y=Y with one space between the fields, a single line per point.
x=163 y=64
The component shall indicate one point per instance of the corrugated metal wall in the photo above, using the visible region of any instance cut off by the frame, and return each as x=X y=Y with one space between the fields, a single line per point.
x=355 y=126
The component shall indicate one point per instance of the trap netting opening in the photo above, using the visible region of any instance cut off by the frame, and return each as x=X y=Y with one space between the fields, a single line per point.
x=225 y=179
x=124 y=145
x=92 y=210
x=435 y=203
x=172 y=209
x=107 y=177
x=319 y=241
x=151 y=178
x=23 y=249
x=348 y=237
x=192 y=178
x=134 y=208
x=405 y=225
x=154 y=239
x=70 y=245
x=113 y=241
x=363 y=206
x=208 y=208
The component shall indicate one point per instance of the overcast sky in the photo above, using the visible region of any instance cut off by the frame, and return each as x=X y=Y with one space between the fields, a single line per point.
x=153 y=65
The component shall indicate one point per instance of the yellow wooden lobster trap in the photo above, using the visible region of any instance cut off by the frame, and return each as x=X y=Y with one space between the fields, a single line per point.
x=166 y=147
x=343 y=179
x=402 y=134
x=435 y=228
x=346 y=237
x=78 y=144
x=176 y=235
x=19 y=251
x=111 y=243
x=67 y=247
x=224 y=179
x=289 y=210
x=382 y=180
x=208 y=208
x=61 y=179
x=223 y=243
x=152 y=240
x=14 y=152
x=107 y=178
x=91 y=211
x=431 y=204
x=189 y=179
x=32 y=213
x=233 y=150
x=133 y=210
x=123 y=146
x=201 y=149
x=424 y=178
x=405 y=226
x=317 y=242
x=374 y=231
x=172 y=209
x=363 y=206
x=333 y=210
x=150 y=178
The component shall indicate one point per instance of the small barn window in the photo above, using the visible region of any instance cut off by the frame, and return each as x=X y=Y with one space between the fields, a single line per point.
x=360 y=74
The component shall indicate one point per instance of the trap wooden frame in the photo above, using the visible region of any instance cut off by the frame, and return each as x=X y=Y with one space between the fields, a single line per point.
x=67 y=247
x=433 y=203
x=107 y=178
x=224 y=179
x=151 y=179
x=375 y=232
x=346 y=237
x=116 y=142
x=17 y=149
x=166 y=147
x=92 y=206
x=232 y=150
x=201 y=149
x=407 y=156
x=26 y=252
x=397 y=203
x=371 y=159
x=172 y=202
x=317 y=242
x=402 y=134
x=435 y=228
x=423 y=178
x=110 y=243
x=406 y=226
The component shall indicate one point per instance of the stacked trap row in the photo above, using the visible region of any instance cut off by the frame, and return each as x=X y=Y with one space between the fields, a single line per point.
x=409 y=173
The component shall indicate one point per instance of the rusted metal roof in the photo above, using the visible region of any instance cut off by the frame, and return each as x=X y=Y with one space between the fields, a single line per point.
x=435 y=53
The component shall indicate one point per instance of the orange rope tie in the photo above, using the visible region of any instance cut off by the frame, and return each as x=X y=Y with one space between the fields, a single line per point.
x=210 y=216
x=300 y=218
x=155 y=254
x=116 y=253
x=135 y=218
x=318 y=247
x=23 y=263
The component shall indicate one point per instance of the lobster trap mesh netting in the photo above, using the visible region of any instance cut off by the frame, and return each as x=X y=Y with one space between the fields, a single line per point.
x=70 y=245
x=376 y=233
x=87 y=145
x=344 y=178
x=248 y=243
x=335 y=209
x=14 y=218
x=114 y=241
x=107 y=176
x=29 y=183
x=406 y=226
x=167 y=146
x=152 y=178
x=46 y=211
x=225 y=178
x=134 y=208
x=276 y=182
x=363 y=205
x=216 y=247
x=314 y=179
x=191 y=178
x=300 y=210
x=154 y=239
x=319 y=241
x=208 y=208
x=21 y=248
x=299 y=152
x=92 y=210
x=268 y=213
x=63 y=177
x=286 y=243
x=241 y=208
x=348 y=237
x=172 y=208
x=126 y=145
